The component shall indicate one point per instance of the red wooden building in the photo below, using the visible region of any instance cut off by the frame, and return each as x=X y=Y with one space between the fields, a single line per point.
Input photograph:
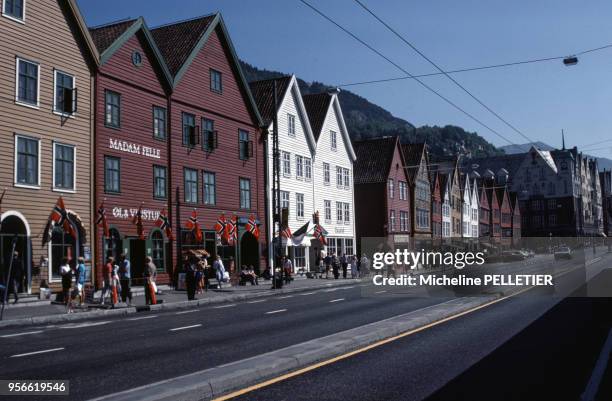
x=436 y=206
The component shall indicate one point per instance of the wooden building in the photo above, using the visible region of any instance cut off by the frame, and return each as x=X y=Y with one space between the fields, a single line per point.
x=417 y=167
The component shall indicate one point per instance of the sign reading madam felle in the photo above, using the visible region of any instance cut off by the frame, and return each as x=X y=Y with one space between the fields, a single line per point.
x=134 y=148
x=147 y=214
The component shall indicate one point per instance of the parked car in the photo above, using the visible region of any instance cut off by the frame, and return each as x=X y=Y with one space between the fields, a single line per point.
x=563 y=252
x=513 y=256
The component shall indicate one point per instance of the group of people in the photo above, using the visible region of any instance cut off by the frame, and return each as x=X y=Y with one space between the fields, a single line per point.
x=117 y=281
x=73 y=289
x=331 y=263
x=197 y=274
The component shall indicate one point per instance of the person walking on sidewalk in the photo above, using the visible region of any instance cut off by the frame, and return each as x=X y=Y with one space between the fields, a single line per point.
x=344 y=264
x=107 y=277
x=14 y=281
x=219 y=270
x=80 y=279
x=354 y=269
x=190 y=278
x=66 y=273
x=150 y=287
x=327 y=262
x=335 y=266
x=125 y=279
x=287 y=269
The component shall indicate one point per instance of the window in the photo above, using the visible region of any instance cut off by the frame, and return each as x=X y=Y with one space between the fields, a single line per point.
x=402 y=190
x=552 y=204
x=333 y=140
x=210 y=135
x=347 y=179
x=62 y=245
x=423 y=218
x=391 y=188
x=552 y=219
x=299 y=257
x=159 y=122
x=63 y=167
x=326 y=174
x=347 y=213
x=189 y=130
x=291 y=124
x=27 y=159
x=403 y=221
x=14 y=9
x=64 y=101
x=284 y=200
x=246 y=146
x=157 y=250
x=391 y=220
x=299 y=166
x=112 y=174
x=190 y=177
x=286 y=164
x=307 y=168
x=348 y=246
x=112 y=110
x=159 y=182
x=210 y=188
x=328 y=211
x=28 y=75
x=245 y=193
x=299 y=205
x=215 y=81
x=331 y=245
x=339 y=212
x=338 y=176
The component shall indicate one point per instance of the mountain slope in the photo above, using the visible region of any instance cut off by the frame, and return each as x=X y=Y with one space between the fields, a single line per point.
x=366 y=120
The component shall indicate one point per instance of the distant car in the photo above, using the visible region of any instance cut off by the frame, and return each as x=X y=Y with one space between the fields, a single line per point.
x=563 y=252
x=513 y=256
x=528 y=252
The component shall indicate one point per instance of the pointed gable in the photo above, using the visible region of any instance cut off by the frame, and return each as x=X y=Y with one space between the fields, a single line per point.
x=317 y=106
x=374 y=158
x=413 y=156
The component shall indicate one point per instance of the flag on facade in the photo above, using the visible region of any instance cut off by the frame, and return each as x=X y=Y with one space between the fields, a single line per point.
x=231 y=231
x=220 y=226
x=137 y=221
x=59 y=217
x=318 y=234
x=286 y=232
x=164 y=224
x=251 y=227
x=193 y=226
x=101 y=220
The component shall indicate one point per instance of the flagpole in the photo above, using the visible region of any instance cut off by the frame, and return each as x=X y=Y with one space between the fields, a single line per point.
x=276 y=195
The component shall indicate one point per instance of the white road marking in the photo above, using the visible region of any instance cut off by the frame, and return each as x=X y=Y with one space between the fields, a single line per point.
x=308 y=293
x=380 y=292
x=256 y=301
x=276 y=311
x=185 y=327
x=142 y=317
x=37 y=352
x=21 y=334
x=286 y=296
x=187 y=311
x=347 y=288
x=81 y=325
x=223 y=306
x=337 y=300
x=330 y=290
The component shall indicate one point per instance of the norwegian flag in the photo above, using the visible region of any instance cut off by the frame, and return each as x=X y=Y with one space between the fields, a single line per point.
x=220 y=226
x=59 y=217
x=137 y=221
x=318 y=234
x=192 y=224
x=164 y=224
x=251 y=227
x=101 y=220
x=286 y=232
x=231 y=231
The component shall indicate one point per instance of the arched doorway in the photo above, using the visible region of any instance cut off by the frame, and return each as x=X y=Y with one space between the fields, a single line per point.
x=15 y=229
x=63 y=245
x=249 y=251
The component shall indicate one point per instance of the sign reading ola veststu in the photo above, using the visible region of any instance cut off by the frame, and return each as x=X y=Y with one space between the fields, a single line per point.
x=125 y=213
x=134 y=148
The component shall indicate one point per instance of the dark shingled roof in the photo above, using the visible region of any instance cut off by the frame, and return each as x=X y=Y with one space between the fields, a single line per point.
x=495 y=163
x=374 y=158
x=177 y=41
x=316 y=107
x=412 y=157
x=105 y=35
x=263 y=92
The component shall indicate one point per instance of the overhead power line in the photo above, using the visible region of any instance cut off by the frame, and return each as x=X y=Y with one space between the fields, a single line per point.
x=430 y=61
x=348 y=32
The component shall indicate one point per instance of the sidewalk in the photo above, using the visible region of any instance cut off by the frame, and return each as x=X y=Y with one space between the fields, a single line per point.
x=170 y=299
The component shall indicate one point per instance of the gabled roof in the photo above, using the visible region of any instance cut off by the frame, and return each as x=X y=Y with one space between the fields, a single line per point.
x=110 y=38
x=75 y=12
x=443 y=183
x=495 y=163
x=317 y=106
x=263 y=93
x=413 y=154
x=374 y=159
x=181 y=42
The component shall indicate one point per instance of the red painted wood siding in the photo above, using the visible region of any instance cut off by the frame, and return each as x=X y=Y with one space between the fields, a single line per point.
x=398 y=173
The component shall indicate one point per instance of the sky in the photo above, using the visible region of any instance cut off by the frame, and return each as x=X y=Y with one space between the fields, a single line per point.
x=538 y=99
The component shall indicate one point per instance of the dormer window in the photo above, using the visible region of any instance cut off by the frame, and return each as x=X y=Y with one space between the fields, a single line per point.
x=14 y=9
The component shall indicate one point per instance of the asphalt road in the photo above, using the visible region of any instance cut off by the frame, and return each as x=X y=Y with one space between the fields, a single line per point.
x=521 y=348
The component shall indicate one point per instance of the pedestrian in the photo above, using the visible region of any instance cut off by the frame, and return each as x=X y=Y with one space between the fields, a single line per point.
x=354 y=268
x=252 y=273
x=199 y=275
x=219 y=270
x=190 y=278
x=287 y=269
x=335 y=266
x=14 y=281
x=107 y=278
x=150 y=274
x=364 y=266
x=327 y=262
x=66 y=273
x=80 y=279
x=344 y=264
x=125 y=279
x=115 y=285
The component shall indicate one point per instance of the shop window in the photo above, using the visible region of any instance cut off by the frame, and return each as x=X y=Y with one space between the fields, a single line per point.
x=62 y=246
x=158 y=250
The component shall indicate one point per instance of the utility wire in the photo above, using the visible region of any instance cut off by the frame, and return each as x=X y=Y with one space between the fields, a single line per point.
x=420 y=53
x=345 y=30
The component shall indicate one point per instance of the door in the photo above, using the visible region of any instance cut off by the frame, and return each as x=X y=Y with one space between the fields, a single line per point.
x=137 y=260
x=249 y=251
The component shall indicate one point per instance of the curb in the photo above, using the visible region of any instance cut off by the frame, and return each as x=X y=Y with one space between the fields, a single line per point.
x=60 y=318
x=220 y=380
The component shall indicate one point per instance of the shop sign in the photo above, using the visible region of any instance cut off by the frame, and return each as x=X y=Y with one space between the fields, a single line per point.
x=125 y=213
x=134 y=148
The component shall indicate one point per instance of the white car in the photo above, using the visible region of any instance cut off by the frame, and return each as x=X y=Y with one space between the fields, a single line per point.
x=563 y=252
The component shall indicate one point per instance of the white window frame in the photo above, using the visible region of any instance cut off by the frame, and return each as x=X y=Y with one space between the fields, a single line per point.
x=55 y=111
x=327 y=207
x=347 y=213
x=339 y=213
x=15 y=157
x=290 y=124
x=288 y=200
x=339 y=173
x=308 y=169
x=286 y=163
x=333 y=140
x=346 y=178
x=4 y=14
x=326 y=174
x=74 y=159
x=299 y=213
x=299 y=167
x=17 y=101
